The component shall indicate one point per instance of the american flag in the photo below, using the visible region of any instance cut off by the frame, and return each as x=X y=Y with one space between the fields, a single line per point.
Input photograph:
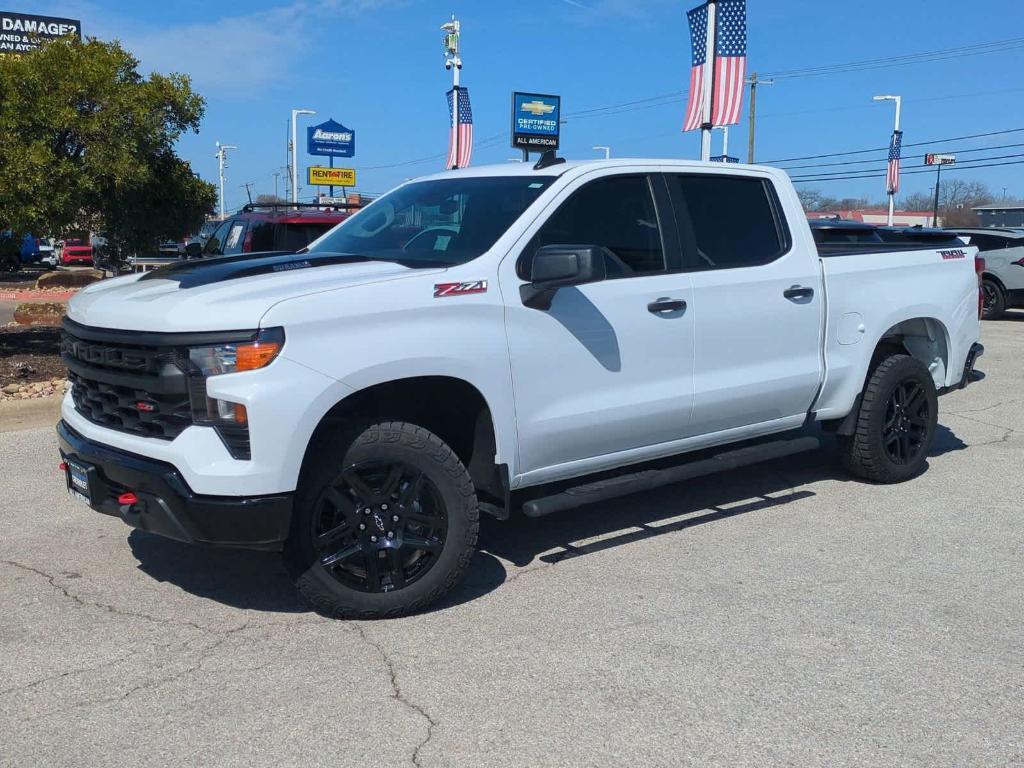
x=730 y=64
x=892 y=179
x=460 y=141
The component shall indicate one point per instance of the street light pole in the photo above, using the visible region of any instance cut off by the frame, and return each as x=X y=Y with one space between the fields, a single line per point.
x=221 y=165
x=295 y=173
x=895 y=132
x=607 y=151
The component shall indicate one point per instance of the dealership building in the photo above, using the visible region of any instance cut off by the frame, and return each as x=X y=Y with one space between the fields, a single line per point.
x=1000 y=215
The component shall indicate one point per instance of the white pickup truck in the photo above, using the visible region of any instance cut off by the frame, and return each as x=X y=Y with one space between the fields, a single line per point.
x=492 y=339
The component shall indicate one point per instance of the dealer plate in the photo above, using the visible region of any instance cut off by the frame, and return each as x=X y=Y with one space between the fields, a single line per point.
x=78 y=482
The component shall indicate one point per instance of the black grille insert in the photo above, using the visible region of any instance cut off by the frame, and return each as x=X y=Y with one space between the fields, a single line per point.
x=129 y=409
x=131 y=388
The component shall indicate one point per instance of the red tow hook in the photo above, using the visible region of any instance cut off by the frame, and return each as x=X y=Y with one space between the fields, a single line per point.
x=127 y=500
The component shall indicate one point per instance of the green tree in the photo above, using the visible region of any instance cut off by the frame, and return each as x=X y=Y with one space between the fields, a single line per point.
x=87 y=143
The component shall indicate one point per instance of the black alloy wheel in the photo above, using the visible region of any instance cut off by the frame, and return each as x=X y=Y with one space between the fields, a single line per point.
x=380 y=526
x=896 y=422
x=384 y=522
x=906 y=423
x=989 y=294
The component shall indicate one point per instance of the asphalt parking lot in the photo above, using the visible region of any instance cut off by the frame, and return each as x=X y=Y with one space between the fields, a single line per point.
x=776 y=615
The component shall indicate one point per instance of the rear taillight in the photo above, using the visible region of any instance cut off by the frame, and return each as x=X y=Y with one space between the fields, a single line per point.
x=979 y=269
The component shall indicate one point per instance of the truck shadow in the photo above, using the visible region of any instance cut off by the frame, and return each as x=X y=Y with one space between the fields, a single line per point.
x=258 y=580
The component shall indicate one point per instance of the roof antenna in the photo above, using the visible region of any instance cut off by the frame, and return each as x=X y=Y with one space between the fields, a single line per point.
x=548 y=159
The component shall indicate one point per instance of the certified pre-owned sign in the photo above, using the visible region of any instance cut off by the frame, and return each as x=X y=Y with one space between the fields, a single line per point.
x=535 y=121
x=23 y=32
x=331 y=177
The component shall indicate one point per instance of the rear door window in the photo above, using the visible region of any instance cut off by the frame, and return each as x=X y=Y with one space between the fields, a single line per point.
x=728 y=221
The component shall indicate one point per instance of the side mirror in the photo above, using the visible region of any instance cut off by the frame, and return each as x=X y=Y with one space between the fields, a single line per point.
x=193 y=251
x=559 y=266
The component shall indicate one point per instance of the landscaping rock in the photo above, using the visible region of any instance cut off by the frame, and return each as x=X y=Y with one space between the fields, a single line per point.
x=39 y=313
x=69 y=279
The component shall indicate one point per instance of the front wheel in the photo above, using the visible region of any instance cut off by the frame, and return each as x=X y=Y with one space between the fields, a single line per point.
x=895 y=423
x=385 y=522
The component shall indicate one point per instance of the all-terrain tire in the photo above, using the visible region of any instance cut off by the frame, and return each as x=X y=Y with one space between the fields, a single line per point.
x=995 y=299
x=864 y=453
x=392 y=441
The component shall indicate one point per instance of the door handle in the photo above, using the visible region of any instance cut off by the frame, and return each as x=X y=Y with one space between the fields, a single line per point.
x=662 y=306
x=798 y=292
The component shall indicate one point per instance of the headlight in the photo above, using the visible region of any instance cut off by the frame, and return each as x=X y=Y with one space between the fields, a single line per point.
x=229 y=419
x=240 y=356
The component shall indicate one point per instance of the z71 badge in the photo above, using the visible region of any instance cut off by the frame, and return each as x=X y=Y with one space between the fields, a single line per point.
x=459 y=289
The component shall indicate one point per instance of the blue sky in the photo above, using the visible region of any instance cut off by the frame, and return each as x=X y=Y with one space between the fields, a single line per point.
x=376 y=65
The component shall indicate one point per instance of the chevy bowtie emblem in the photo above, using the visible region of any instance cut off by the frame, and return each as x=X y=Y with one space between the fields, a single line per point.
x=537 y=108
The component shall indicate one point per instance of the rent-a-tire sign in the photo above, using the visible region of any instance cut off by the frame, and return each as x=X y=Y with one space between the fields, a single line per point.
x=22 y=32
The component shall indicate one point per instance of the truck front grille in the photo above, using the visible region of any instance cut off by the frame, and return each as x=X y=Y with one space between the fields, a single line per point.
x=130 y=409
x=142 y=390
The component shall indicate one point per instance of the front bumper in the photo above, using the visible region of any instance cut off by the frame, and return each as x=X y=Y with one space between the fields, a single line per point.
x=168 y=507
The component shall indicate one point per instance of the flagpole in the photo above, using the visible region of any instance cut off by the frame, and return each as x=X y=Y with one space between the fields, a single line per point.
x=709 y=84
x=453 y=61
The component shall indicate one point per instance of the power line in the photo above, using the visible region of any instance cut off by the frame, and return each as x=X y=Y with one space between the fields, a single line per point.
x=949 y=169
x=886 y=149
x=996 y=46
x=958 y=151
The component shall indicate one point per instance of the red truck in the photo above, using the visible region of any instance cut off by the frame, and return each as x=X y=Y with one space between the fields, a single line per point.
x=76 y=251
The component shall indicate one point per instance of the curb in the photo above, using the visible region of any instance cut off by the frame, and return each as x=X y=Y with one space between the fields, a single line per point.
x=36 y=295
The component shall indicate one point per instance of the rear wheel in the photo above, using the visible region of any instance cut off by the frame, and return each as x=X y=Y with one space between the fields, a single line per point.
x=993 y=299
x=385 y=523
x=895 y=423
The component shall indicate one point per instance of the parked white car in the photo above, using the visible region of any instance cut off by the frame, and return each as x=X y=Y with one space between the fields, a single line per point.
x=1003 y=279
x=481 y=340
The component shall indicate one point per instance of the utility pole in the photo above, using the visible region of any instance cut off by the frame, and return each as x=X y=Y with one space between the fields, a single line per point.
x=276 y=174
x=753 y=81
x=294 y=159
x=453 y=61
x=222 y=151
x=935 y=206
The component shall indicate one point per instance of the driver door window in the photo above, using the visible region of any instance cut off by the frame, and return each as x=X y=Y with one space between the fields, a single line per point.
x=616 y=214
x=215 y=245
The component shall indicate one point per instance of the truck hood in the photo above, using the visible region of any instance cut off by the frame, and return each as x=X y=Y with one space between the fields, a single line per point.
x=231 y=293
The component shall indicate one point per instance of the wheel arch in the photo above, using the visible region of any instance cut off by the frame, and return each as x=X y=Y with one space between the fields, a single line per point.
x=924 y=338
x=452 y=408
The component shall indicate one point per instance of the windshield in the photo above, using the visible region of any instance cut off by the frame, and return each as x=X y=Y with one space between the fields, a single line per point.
x=443 y=222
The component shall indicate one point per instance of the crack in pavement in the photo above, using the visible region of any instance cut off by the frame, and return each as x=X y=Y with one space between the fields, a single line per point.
x=1008 y=432
x=204 y=654
x=109 y=608
x=987 y=407
x=396 y=691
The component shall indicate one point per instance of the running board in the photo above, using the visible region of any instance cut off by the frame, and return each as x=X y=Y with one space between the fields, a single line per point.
x=646 y=480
